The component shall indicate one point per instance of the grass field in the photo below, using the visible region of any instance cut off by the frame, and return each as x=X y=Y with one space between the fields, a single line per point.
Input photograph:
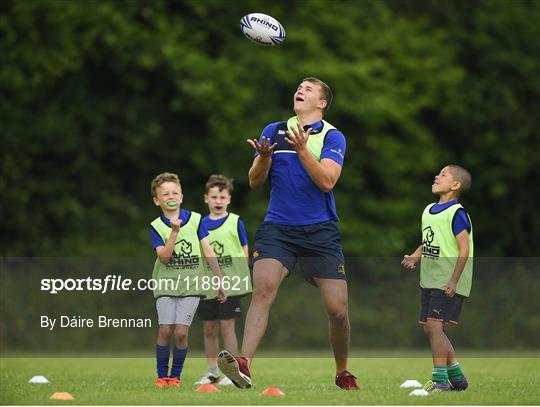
x=305 y=381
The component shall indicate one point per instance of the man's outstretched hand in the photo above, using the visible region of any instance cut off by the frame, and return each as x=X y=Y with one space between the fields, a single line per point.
x=298 y=139
x=263 y=148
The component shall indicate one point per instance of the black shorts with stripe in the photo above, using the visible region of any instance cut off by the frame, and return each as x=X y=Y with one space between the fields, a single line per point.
x=315 y=248
x=213 y=310
x=436 y=306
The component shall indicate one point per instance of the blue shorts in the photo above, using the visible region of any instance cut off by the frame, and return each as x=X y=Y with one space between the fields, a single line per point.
x=436 y=306
x=316 y=248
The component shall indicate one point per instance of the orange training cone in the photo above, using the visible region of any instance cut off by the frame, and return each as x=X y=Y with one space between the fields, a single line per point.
x=273 y=391
x=62 y=395
x=207 y=388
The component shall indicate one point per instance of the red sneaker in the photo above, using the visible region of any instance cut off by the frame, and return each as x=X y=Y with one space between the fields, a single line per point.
x=173 y=381
x=346 y=381
x=235 y=368
x=162 y=382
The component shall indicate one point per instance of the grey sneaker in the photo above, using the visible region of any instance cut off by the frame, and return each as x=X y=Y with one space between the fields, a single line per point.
x=224 y=381
x=208 y=378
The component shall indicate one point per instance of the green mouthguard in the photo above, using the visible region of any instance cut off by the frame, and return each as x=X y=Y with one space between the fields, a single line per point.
x=171 y=203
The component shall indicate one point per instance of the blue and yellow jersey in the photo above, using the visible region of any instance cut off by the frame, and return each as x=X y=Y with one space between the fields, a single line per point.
x=295 y=199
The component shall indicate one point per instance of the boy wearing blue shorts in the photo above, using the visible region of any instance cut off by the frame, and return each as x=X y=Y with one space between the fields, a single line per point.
x=446 y=263
x=180 y=241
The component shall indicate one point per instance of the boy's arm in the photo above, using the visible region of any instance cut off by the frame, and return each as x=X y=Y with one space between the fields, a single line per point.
x=462 y=239
x=242 y=236
x=409 y=262
x=164 y=253
x=246 y=252
x=214 y=265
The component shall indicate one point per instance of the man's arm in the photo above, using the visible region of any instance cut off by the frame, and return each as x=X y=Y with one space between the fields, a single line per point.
x=324 y=174
x=164 y=253
x=259 y=171
x=261 y=164
x=462 y=239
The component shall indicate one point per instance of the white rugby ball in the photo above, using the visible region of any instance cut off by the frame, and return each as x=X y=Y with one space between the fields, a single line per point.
x=262 y=29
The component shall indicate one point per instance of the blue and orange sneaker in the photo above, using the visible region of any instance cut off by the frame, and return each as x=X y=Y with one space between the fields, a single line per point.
x=346 y=381
x=435 y=387
x=162 y=382
x=235 y=368
x=459 y=385
x=173 y=381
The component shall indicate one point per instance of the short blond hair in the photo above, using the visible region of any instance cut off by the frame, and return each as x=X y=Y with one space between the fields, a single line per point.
x=161 y=178
x=326 y=92
x=462 y=176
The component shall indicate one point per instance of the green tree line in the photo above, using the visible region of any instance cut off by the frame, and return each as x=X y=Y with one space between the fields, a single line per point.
x=99 y=97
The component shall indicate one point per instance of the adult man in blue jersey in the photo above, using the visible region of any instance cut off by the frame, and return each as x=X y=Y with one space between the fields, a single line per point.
x=303 y=157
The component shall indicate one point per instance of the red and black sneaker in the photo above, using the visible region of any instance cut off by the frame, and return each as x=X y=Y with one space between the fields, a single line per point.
x=235 y=368
x=346 y=381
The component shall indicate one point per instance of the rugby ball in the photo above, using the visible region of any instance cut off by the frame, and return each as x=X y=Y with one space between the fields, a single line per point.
x=262 y=29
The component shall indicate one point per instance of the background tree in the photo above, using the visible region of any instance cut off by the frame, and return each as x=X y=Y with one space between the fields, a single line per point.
x=99 y=97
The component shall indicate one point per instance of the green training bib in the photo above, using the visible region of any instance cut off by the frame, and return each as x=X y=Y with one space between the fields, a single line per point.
x=315 y=141
x=231 y=258
x=181 y=276
x=440 y=251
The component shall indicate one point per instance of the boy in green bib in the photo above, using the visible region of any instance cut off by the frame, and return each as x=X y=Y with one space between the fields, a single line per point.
x=181 y=244
x=446 y=263
x=228 y=238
